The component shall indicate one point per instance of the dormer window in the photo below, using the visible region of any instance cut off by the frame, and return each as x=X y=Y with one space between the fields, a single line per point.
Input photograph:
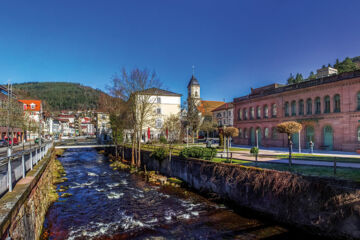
x=32 y=105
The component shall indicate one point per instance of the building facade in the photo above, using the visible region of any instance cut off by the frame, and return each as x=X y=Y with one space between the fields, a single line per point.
x=328 y=109
x=224 y=115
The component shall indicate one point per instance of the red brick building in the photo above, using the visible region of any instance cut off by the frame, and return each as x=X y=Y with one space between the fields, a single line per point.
x=328 y=108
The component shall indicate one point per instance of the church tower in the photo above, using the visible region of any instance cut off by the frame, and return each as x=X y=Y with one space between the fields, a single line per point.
x=194 y=90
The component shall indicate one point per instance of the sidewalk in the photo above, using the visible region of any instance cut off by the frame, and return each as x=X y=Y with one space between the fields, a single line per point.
x=276 y=151
x=246 y=156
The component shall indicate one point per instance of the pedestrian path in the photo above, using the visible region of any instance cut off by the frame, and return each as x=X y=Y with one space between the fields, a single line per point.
x=276 y=151
x=269 y=159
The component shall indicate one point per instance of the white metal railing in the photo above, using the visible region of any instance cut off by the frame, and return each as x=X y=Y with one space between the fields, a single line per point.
x=14 y=167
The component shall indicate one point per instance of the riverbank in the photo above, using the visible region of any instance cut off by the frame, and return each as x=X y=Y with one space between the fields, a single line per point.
x=323 y=206
x=23 y=210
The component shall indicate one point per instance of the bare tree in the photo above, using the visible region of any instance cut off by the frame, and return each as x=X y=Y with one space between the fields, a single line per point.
x=172 y=126
x=230 y=132
x=289 y=128
x=138 y=88
x=193 y=117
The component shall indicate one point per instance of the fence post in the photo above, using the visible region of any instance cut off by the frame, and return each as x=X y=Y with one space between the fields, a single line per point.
x=31 y=160
x=9 y=175
x=23 y=164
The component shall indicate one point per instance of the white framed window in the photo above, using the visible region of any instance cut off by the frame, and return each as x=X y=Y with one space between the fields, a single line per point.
x=158 y=123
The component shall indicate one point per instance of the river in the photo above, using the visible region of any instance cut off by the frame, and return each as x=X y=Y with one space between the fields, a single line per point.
x=108 y=204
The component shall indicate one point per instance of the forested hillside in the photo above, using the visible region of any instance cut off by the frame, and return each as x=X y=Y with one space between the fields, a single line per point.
x=60 y=95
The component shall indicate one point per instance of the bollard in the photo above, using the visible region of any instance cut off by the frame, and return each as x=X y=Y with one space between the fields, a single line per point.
x=23 y=164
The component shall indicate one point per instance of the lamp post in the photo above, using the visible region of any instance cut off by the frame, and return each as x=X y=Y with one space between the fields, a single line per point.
x=299 y=143
x=257 y=138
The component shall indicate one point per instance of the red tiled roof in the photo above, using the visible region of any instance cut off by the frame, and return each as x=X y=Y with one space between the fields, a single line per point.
x=28 y=103
x=223 y=107
x=206 y=107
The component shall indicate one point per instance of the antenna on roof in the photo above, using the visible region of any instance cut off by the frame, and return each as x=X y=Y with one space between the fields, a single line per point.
x=193 y=69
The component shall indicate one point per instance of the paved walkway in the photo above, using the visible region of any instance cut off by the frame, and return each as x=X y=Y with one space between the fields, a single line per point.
x=276 y=151
x=246 y=156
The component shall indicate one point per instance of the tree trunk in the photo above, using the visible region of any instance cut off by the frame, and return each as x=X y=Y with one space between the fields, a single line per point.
x=139 y=153
x=133 y=150
x=290 y=149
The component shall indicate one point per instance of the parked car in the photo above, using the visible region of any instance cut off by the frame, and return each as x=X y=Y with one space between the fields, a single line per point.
x=3 y=143
x=9 y=141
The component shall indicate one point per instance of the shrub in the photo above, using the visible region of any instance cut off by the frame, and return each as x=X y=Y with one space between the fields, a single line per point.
x=159 y=154
x=198 y=152
x=163 y=140
x=254 y=150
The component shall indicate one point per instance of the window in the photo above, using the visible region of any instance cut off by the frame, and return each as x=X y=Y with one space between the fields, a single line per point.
x=266 y=111
x=252 y=113
x=309 y=106
x=158 y=110
x=358 y=102
x=293 y=108
x=240 y=133
x=327 y=104
x=286 y=109
x=196 y=94
x=218 y=115
x=224 y=121
x=158 y=123
x=245 y=114
x=273 y=110
x=337 y=103
x=245 y=133
x=32 y=105
x=274 y=133
x=224 y=113
x=239 y=114
x=317 y=105
x=358 y=133
x=229 y=113
x=258 y=112
x=158 y=100
x=301 y=107
x=219 y=123
x=266 y=132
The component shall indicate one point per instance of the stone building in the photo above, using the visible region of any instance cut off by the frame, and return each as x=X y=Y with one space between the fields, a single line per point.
x=328 y=109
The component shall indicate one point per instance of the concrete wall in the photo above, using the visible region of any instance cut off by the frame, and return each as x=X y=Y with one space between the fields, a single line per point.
x=326 y=206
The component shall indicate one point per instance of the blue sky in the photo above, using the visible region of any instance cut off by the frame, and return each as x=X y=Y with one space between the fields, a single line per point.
x=234 y=45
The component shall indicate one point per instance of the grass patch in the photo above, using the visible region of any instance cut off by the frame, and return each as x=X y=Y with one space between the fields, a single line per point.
x=320 y=171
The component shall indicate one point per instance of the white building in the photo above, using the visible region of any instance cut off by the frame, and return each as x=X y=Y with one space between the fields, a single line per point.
x=164 y=104
x=224 y=115
x=103 y=127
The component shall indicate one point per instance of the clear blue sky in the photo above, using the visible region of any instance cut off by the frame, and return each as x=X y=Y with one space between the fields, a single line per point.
x=234 y=45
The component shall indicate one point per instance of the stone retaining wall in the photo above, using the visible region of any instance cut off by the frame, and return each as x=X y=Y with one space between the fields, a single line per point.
x=325 y=206
x=22 y=211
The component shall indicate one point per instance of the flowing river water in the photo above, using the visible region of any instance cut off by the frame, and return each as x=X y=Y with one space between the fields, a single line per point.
x=109 y=204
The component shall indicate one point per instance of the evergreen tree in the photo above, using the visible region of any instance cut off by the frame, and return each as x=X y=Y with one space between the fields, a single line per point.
x=299 y=78
x=347 y=66
x=291 y=79
x=312 y=76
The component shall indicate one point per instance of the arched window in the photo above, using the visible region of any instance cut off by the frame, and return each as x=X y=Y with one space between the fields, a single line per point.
x=286 y=109
x=252 y=113
x=337 y=103
x=309 y=106
x=240 y=133
x=266 y=132
x=245 y=133
x=293 y=108
x=258 y=112
x=239 y=114
x=301 y=107
x=274 y=133
x=326 y=104
x=317 y=105
x=196 y=94
x=358 y=102
x=273 y=110
x=266 y=111
x=245 y=114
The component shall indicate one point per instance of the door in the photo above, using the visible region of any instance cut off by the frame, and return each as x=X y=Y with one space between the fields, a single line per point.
x=310 y=136
x=328 y=138
x=252 y=136
x=295 y=140
x=258 y=130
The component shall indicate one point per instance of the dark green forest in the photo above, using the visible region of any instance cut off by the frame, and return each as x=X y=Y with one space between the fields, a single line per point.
x=60 y=95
